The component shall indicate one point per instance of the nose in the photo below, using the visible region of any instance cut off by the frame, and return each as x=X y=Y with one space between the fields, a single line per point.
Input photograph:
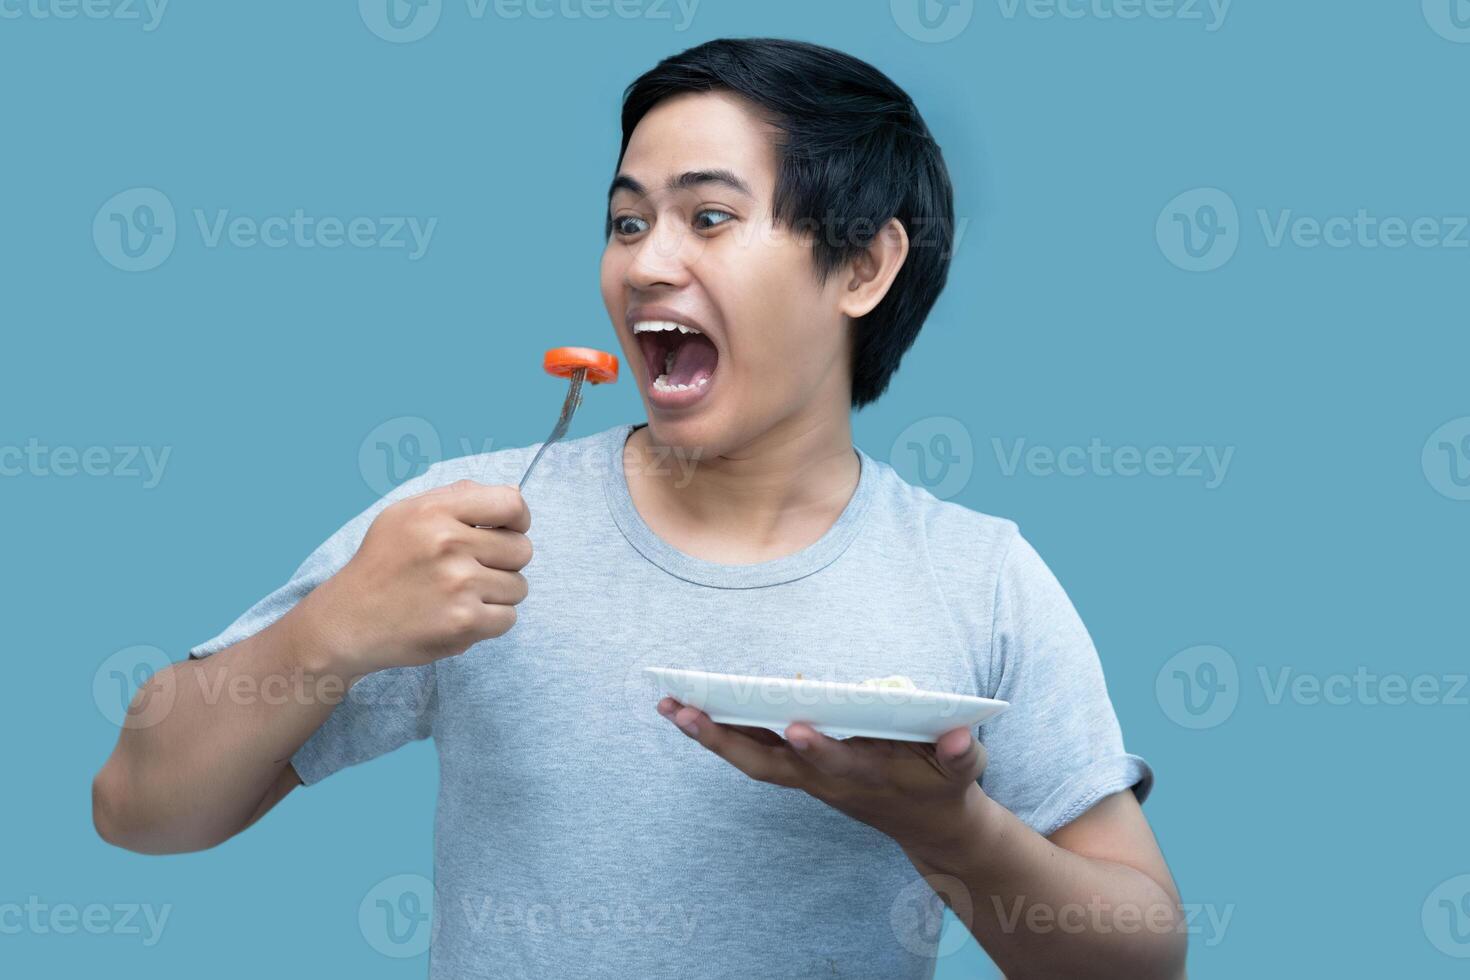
x=663 y=256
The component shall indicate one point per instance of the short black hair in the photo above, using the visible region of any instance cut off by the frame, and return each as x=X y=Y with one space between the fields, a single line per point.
x=854 y=153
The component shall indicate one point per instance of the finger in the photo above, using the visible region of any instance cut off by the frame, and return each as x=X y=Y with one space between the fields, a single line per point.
x=960 y=755
x=479 y=505
x=497 y=547
x=829 y=755
x=667 y=706
x=766 y=763
x=501 y=587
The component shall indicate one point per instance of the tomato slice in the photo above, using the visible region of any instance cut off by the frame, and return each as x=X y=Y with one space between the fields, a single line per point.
x=601 y=366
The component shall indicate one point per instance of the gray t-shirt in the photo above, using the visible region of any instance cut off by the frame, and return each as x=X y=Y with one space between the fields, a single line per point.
x=625 y=849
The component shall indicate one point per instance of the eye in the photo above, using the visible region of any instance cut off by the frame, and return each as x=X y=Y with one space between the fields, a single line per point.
x=626 y=224
x=701 y=222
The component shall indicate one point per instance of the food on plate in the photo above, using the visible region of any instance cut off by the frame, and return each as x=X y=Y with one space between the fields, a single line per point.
x=897 y=682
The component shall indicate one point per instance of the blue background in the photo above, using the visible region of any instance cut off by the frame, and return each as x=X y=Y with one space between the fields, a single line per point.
x=1333 y=543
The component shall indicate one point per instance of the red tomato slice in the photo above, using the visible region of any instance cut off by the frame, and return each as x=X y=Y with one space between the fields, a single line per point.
x=601 y=366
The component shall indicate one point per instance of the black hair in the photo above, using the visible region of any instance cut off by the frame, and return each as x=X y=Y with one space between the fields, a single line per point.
x=854 y=153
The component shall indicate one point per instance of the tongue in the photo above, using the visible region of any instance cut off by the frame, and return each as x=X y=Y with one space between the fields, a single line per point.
x=695 y=358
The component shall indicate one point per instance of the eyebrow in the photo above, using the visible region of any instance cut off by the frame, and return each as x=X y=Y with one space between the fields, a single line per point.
x=684 y=181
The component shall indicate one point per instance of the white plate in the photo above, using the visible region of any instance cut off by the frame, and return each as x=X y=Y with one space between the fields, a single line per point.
x=832 y=708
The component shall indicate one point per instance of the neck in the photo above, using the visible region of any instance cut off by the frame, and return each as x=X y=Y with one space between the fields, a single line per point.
x=767 y=498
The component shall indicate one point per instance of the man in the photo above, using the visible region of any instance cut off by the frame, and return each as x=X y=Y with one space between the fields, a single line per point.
x=779 y=226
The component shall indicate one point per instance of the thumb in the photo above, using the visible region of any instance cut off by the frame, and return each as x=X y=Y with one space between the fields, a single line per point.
x=960 y=755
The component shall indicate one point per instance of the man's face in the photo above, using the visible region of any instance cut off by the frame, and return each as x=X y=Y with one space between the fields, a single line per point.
x=694 y=245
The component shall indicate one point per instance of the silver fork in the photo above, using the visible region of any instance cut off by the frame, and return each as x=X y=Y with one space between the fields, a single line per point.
x=568 y=408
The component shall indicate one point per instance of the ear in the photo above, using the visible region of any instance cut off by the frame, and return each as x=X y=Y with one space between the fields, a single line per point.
x=871 y=274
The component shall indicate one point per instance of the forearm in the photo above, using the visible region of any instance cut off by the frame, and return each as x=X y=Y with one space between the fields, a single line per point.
x=196 y=775
x=1041 y=910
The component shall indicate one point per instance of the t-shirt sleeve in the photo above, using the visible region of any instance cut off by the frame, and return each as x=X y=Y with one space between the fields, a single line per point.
x=383 y=710
x=1058 y=749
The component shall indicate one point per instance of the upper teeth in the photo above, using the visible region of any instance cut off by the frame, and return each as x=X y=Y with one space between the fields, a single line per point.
x=647 y=325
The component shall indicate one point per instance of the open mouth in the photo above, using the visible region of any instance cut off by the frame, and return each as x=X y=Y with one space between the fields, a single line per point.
x=680 y=360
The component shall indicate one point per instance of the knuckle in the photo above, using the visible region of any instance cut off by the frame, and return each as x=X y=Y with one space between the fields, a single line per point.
x=439 y=538
x=459 y=619
x=456 y=576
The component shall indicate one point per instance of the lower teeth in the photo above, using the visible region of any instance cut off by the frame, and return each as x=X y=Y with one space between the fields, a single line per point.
x=662 y=384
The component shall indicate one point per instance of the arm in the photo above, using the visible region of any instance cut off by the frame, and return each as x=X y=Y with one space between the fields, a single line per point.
x=1094 y=899
x=216 y=763
x=434 y=575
